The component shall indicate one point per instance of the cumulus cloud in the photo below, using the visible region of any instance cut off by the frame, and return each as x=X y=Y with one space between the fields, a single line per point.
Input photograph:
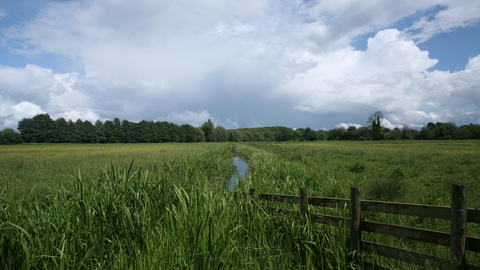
x=18 y=112
x=241 y=64
x=346 y=126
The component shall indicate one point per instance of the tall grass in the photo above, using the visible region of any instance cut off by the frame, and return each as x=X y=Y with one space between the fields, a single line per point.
x=175 y=213
x=409 y=172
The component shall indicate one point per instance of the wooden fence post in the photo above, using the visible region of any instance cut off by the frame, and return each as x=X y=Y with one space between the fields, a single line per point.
x=355 y=230
x=303 y=201
x=458 y=226
x=252 y=194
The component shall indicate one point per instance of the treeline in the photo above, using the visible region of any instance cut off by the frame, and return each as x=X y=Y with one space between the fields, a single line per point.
x=43 y=129
x=438 y=131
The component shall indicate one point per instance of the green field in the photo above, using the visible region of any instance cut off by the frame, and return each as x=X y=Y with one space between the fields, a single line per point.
x=166 y=206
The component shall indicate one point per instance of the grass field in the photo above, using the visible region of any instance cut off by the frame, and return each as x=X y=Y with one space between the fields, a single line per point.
x=405 y=171
x=90 y=207
x=49 y=165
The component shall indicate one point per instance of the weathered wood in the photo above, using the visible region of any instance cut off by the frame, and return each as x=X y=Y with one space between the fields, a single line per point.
x=473 y=244
x=327 y=219
x=458 y=227
x=405 y=255
x=355 y=213
x=426 y=211
x=279 y=198
x=303 y=201
x=329 y=202
x=473 y=267
x=473 y=215
x=423 y=235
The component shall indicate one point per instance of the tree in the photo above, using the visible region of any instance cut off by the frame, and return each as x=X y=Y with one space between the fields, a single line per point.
x=39 y=129
x=200 y=135
x=309 y=134
x=208 y=129
x=63 y=132
x=100 y=129
x=375 y=122
x=221 y=134
x=296 y=135
x=189 y=133
x=10 y=136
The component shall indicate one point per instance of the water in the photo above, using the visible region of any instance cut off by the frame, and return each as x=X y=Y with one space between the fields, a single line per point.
x=240 y=174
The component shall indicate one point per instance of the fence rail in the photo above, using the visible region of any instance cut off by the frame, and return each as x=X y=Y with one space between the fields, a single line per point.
x=457 y=213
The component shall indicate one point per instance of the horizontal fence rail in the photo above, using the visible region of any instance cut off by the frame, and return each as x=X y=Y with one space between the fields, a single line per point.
x=458 y=214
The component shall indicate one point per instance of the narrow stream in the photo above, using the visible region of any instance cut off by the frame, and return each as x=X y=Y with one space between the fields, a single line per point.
x=240 y=174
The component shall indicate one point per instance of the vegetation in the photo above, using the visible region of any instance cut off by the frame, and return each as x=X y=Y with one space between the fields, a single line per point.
x=419 y=172
x=166 y=206
x=42 y=129
x=170 y=212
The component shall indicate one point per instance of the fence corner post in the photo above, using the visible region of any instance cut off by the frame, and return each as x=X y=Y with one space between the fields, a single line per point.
x=252 y=194
x=458 y=226
x=303 y=201
x=355 y=230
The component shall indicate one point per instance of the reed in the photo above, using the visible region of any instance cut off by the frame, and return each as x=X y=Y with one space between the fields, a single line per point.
x=175 y=213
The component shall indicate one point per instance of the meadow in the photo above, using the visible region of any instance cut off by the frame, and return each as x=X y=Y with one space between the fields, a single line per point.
x=167 y=206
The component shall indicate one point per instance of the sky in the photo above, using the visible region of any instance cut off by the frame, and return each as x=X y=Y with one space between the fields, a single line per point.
x=242 y=64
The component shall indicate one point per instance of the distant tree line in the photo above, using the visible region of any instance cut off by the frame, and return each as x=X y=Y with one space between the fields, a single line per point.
x=375 y=131
x=43 y=129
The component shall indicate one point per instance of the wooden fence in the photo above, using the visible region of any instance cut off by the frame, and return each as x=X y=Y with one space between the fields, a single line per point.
x=457 y=213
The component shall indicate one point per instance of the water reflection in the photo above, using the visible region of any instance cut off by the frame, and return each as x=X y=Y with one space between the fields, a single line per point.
x=240 y=174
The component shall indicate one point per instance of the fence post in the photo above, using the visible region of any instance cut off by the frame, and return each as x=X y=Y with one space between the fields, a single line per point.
x=303 y=201
x=252 y=194
x=458 y=226
x=355 y=230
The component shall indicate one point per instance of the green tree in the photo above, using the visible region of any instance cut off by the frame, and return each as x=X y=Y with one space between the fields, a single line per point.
x=200 y=135
x=10 y=136
x=64 y=134
x=395 y=134
x=309 y=135
x=208 y=129
x=221 y=134
x=189 y=132
x=100 y=130
x=375 y=123
x=39 y=129
x=296 y=135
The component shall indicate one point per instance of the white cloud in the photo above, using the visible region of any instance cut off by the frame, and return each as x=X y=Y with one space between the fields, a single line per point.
x=195 y=119
x=254 y=62
x=457 y=14
x=346 y=126
x=75 y=115
x=18 y=112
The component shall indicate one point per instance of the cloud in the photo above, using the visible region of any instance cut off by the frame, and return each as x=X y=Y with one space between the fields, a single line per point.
x=195 y=119
x=346 y=126
x=18 y=112
x=391 y=76
x=241 y=64
x=456 y=14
